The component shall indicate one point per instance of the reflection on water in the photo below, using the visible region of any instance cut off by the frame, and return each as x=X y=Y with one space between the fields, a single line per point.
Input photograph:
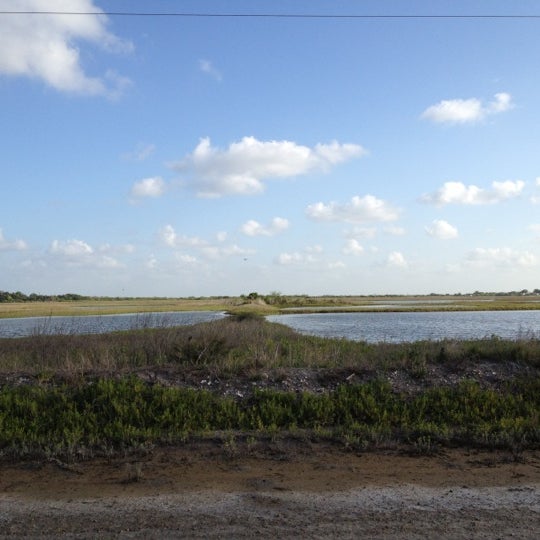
x=396 y=327
x=100 y=324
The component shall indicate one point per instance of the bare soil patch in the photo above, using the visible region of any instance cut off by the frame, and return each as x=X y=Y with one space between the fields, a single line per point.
x=284 y=488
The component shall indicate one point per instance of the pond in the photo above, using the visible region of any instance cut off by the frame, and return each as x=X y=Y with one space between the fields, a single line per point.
x=100 y=324
x=397 y=327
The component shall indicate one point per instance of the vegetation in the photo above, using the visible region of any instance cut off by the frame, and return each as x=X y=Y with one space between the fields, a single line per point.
x=18 y=304
x=33 y=297
x=79 y=396
x=111 y=415
x=242 y=343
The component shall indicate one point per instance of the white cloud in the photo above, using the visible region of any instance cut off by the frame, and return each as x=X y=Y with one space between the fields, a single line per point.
x=169 y=236
x=462 y=111
x=397 y=260
x=245 y=165
x=45 y=47
x=254 y=228
x=296 y=258
x=353 y=247
x=286 y=259
x=70 y=248
x=11 y=245
x=219 y=252
x=207 y=67
x=358 y=210
x=78 y=253
x=116 y=250
x=535 y=229
x=507 y=257
x=184 y=259
x=148 y=187
x=459 y=193
x=442 y=230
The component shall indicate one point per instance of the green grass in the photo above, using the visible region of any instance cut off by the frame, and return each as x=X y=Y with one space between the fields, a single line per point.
x=121 y=414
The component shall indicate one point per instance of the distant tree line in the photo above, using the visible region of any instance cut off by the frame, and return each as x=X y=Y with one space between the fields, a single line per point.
x=18 y=296
x=522 y=292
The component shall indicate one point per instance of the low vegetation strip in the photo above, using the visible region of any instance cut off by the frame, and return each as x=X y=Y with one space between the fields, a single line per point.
x=113 y=415
x=79 y=396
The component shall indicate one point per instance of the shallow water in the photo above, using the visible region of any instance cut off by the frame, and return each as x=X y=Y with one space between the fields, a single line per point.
x=397 y=327
x=100 y=324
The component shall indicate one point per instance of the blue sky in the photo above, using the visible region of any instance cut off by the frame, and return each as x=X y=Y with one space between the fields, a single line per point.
x=183 y=156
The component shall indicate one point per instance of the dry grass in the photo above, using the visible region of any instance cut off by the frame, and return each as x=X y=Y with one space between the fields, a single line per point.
x=268 y=304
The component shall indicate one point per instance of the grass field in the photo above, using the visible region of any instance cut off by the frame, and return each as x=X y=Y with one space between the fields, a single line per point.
x=270 y=304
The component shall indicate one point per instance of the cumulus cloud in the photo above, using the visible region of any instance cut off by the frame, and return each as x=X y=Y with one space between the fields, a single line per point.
x=353 y=247
x=78 y=253
x=358 y=210
x=186 y=260
x=70 y=248
x=243 y=167
x=308 y=256
x=442 y=230
x=11 y=245
x=463 y=111
x=459 y=193
x=207 y=67
x=218 y=252
x=172 y=239
x=507 y=257
x=254 y=228
x=148 y=187
x=45 y=47
x=396 y=260
x=151 y=262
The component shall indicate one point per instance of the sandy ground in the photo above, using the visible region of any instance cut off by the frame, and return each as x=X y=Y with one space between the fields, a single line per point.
x=320 y=492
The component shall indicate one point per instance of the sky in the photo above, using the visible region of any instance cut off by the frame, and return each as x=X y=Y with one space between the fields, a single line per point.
x=206 y=156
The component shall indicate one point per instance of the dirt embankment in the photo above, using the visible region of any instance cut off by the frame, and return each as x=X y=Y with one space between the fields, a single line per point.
x=286 y=490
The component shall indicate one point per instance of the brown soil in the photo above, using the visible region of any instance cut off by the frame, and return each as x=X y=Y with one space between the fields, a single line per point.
x=214 y=490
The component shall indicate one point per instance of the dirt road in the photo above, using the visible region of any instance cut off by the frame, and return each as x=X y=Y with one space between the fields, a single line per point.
x=205 y=492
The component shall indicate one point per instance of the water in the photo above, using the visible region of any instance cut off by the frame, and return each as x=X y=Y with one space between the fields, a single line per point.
x=391 y=327
x=397 y=327
x=100 y=324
